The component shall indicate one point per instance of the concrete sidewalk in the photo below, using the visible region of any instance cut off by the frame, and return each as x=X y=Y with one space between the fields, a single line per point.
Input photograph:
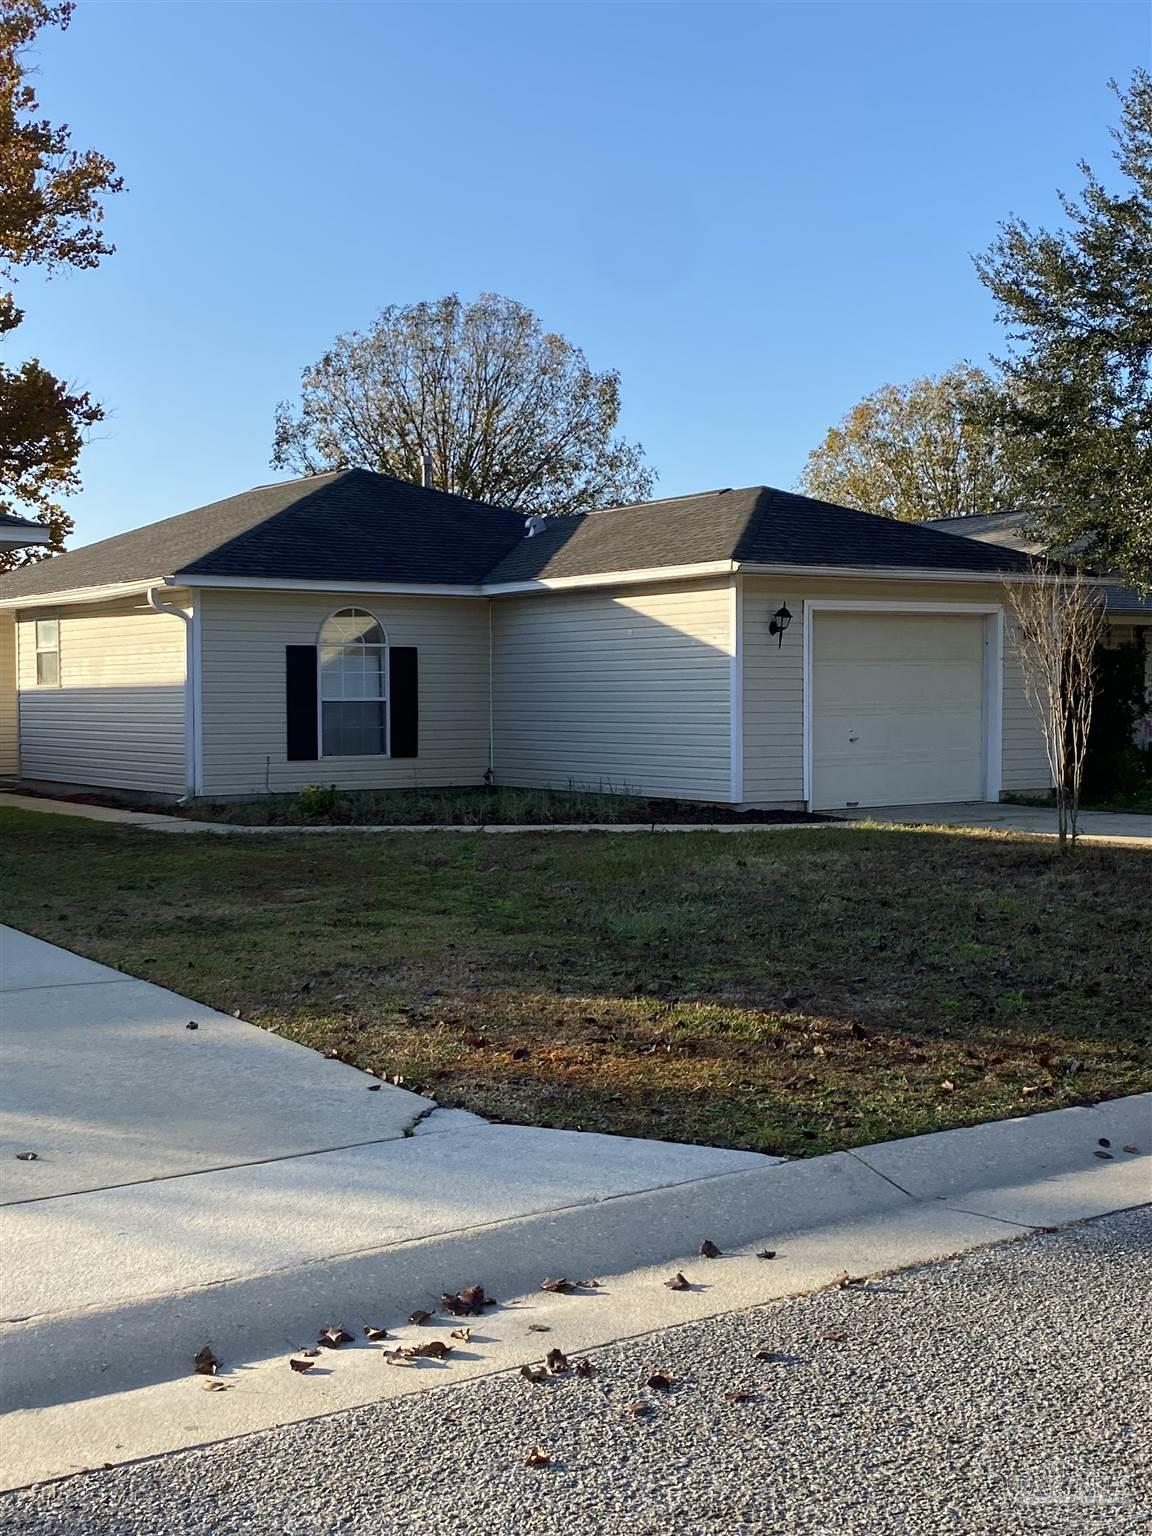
x=1126 y=828
x=222 y=1186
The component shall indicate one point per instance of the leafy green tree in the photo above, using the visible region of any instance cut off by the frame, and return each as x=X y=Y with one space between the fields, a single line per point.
x=914 y=451
x=498 y=408
x=1077 y=302
x=50 y=217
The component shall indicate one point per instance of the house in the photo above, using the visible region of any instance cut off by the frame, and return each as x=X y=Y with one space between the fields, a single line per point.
x=15 y=533
x=1129 y=613
x=745 y=646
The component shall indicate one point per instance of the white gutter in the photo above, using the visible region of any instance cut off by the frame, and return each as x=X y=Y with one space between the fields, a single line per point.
x=81 y=594
x=191 y=690
x=908 y=573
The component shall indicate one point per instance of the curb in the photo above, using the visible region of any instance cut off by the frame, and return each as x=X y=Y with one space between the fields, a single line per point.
x=113 y=1383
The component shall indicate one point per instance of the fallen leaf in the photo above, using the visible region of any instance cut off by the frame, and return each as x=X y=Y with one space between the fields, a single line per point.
x=534 y=1373
x=660 y=1382
x=463 y=1334
x=1026 y=1093
x=738 y=1395
x=1105 y=1156
x=191 y=1024
x=678 y=1283
x=1131 y=1148
x=309 y=1354
x=332 y=1338
x=844 y=1281
x=766 y=1253
x=834 y=1335
x=1103 y=1142
x=301 y=1365
x=218 y=1386
x=520 y=1054
x=539 y=1328
x=586 y=1285
x=375 y=1087
x=556 y=1283
x=947 y=1086
x=537 y=1457
x=640 y=1409
x=27 y=1157
x=585 y=1368
x=435 y=1349
x=375 y=1334
x=709 y=1250
x=420 y=1317
x=396 y=1356
x=206 y=1362
x=556 y=1361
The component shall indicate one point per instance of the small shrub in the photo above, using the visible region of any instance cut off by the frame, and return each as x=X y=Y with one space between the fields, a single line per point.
x=317 y=800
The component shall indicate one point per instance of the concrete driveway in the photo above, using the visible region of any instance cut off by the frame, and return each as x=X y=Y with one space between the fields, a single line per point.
x=1099 y=826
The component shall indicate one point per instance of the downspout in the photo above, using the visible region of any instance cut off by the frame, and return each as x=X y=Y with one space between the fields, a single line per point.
x=490 y=776
x=191 y=682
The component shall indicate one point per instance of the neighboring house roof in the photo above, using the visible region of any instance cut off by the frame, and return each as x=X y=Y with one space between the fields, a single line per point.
x=357 y=526
x=1013 y=530
x=18 y=531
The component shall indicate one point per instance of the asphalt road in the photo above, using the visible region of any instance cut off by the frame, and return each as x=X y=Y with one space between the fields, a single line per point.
x=999 y=1393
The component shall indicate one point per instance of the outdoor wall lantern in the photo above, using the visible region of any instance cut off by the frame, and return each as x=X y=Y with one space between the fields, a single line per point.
x=779 y=622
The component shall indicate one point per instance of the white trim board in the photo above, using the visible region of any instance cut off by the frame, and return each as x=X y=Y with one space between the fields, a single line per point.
x=736 y=693
x=993 y=691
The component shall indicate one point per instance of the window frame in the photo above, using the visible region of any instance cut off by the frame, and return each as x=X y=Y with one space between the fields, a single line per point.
x=386 y=698
x=39 y=650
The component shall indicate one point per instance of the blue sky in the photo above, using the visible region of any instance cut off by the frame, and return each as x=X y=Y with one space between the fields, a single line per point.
x=757 y=213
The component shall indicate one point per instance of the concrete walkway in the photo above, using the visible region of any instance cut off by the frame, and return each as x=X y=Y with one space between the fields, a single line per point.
x=985 y=815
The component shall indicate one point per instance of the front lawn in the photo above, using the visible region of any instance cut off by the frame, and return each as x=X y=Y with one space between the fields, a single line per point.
x=793 y=991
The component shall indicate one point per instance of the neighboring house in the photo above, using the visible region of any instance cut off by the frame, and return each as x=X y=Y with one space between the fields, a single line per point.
x=746 y=646
x=15 y=533
x=1129 y=613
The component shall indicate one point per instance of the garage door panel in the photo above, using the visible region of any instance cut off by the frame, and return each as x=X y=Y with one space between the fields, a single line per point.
x=897 y=708
x=884 y=637
x=881 y=687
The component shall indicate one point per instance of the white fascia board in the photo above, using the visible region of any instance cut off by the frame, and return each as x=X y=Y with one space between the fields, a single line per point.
x=20 y=538
x=614 y=578
x=275 y=584
x=84 y=594
x=432 y=589
x=908 y=573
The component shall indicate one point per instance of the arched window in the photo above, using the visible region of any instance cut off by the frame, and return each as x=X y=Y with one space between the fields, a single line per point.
x=353 y=660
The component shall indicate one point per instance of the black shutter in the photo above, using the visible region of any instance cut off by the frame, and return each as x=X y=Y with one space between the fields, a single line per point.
x=403 y=701
x=300 y=698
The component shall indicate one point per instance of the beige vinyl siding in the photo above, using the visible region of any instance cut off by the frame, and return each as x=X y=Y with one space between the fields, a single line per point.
x=625 y=689
x=116 y=719
x=774 y=680
x=243 y=636
x=9 y=711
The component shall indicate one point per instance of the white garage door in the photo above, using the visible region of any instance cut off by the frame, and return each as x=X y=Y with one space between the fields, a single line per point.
x=897 y=708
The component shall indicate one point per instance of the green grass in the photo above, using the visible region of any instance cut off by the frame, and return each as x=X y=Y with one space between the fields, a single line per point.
x=793 y=992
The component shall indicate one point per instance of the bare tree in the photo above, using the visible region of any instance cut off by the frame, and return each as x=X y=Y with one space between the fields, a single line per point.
x=1059 y=622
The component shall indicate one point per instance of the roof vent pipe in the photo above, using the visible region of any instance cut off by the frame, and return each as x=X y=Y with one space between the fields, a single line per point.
x=533 y=525
x=426 y=470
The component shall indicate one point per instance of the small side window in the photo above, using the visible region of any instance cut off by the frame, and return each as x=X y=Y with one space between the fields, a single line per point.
x=47 y=653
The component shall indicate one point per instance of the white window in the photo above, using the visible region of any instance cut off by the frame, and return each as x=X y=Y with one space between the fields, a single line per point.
x=353 y=659
x=47 y=653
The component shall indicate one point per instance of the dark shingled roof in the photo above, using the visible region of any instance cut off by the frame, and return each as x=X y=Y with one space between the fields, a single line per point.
x=348 y=525
x=353 y=525
x=758 y=526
